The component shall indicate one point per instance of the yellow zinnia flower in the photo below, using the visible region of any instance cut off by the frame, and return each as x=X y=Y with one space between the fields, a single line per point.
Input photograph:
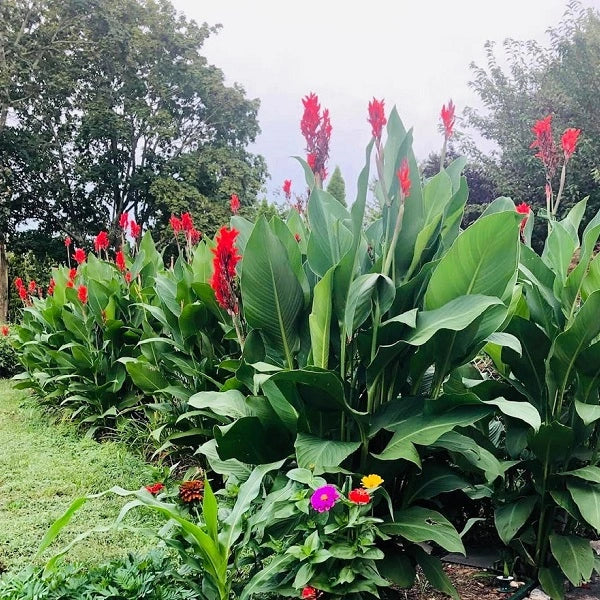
x=371 y=481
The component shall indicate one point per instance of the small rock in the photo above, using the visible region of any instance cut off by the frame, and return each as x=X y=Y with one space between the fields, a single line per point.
x=595 y=544
x=537 y=594
x=516 y=584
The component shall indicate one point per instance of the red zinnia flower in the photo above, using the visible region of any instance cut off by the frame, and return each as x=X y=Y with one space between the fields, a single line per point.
x=359 y=496
x=155 y=488
x=101 y=241
x=447 y=115
x=523 y=209
x=82 y=293
x=224 y=263
x=135 y=229
x=186 y=222
x=32 y=285
x=569 y=141
x=234 y=204
x=404 y=178
x=4 y=330
x=124 y=221
x=376 y=117
x=22 y=293
x=309 y=593
x=120 y=261
x=68 y=241
x=175 y=224
x=18 y=283
x=79 y=255
x=287 y=188
x=72 y=274
x=316 y=129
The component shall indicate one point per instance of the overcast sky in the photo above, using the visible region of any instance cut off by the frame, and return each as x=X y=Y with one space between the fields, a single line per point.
x=415 y=55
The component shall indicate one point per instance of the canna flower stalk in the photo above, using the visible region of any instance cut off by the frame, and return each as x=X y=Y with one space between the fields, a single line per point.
x=448 y=119
x=316 y=129
x=569 y=143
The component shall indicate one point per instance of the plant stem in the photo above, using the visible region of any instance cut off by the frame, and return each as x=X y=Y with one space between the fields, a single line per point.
x=563 y=175
x=397 y=228
x=443 y=153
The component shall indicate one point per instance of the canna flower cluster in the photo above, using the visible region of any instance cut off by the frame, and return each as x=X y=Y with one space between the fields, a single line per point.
x=544 y=142
x=185 y=225
x=51 y=286
x=101 y=242
x=234 y=204
x=447 y=116
x=226 y=257
x=377 y=118
x=404 y=178
x=79 y=255
x=523 y=209
x=316 y=129
x=287 y=189
x=82 y=294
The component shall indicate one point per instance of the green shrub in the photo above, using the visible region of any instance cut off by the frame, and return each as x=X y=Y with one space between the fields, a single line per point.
x=9 y=362
x=152 y=577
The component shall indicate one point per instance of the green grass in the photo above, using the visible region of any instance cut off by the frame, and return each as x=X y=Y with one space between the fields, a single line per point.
x=43 y=467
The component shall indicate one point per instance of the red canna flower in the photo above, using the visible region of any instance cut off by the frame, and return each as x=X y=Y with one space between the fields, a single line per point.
x=4 y=330
x=287 y=189
x=68 y=241
x=69 y=284
x=234 y=204
x=309 y=593
x=377 y=117
x=447 y=114
x=297 y=237
x=175 y=224
x=18 y=283
x=79 y=255
x=545 y=144
x=72 y=274
x=135 y=229
x=32 y=286
x=82 y=293
x=359 y=496
x=51 y=286
x=22 y=293
x=195 y=235
x=128 y=277
x=226 y=257
x=187 y=222
x=404 y=178
x=155 y=488
x=120 y=261
x=101 y=241
x=316 y=129
x=523 y=209
x=124 y=221
x=569 y=141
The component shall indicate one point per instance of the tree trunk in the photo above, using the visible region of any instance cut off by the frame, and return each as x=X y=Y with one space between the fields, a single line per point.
x=3 y=283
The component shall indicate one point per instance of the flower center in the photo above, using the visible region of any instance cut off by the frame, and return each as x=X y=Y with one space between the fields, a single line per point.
x=324 y=497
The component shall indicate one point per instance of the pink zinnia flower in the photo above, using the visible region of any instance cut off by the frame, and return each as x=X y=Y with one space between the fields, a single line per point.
x=324 y=498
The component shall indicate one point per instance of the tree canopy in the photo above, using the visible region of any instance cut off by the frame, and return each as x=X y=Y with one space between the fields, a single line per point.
x=562 y=80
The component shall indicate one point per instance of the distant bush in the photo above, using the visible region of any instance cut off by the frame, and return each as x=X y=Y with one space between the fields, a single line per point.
x=9 y=363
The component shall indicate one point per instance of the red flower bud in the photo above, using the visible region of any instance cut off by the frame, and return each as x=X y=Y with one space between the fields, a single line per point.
x=72 y=274
x=4 y=330
x=22 y=293
x=447 y=115
x=523 y=209
x=32 y=286
x=82 y=293
x=18 y=283
x=68 y=241
x=287 y=188
x=234 y=204
x=404 y=178
x=69 y=284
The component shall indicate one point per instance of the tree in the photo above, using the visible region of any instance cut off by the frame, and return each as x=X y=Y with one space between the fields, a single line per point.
x=561 y=80
x=337 y=186
x=133 y=119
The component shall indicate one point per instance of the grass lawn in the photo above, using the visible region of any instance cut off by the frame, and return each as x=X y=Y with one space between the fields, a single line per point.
x=43 y=467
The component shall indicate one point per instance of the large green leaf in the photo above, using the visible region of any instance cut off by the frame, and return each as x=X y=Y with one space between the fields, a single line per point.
x=572 y=342
x=271 y=292
x=435 y=574
x=231 y=403
x=146 y=377
x=552 y=442
x=320 y=455
x=364 y=291
x=320 y=320
x=418 y=524
x=509 y=518
x=587 y=498
x=575 y=557
x=434 y=480
x=482 y=260
x=552 y=582
x=518 y=410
